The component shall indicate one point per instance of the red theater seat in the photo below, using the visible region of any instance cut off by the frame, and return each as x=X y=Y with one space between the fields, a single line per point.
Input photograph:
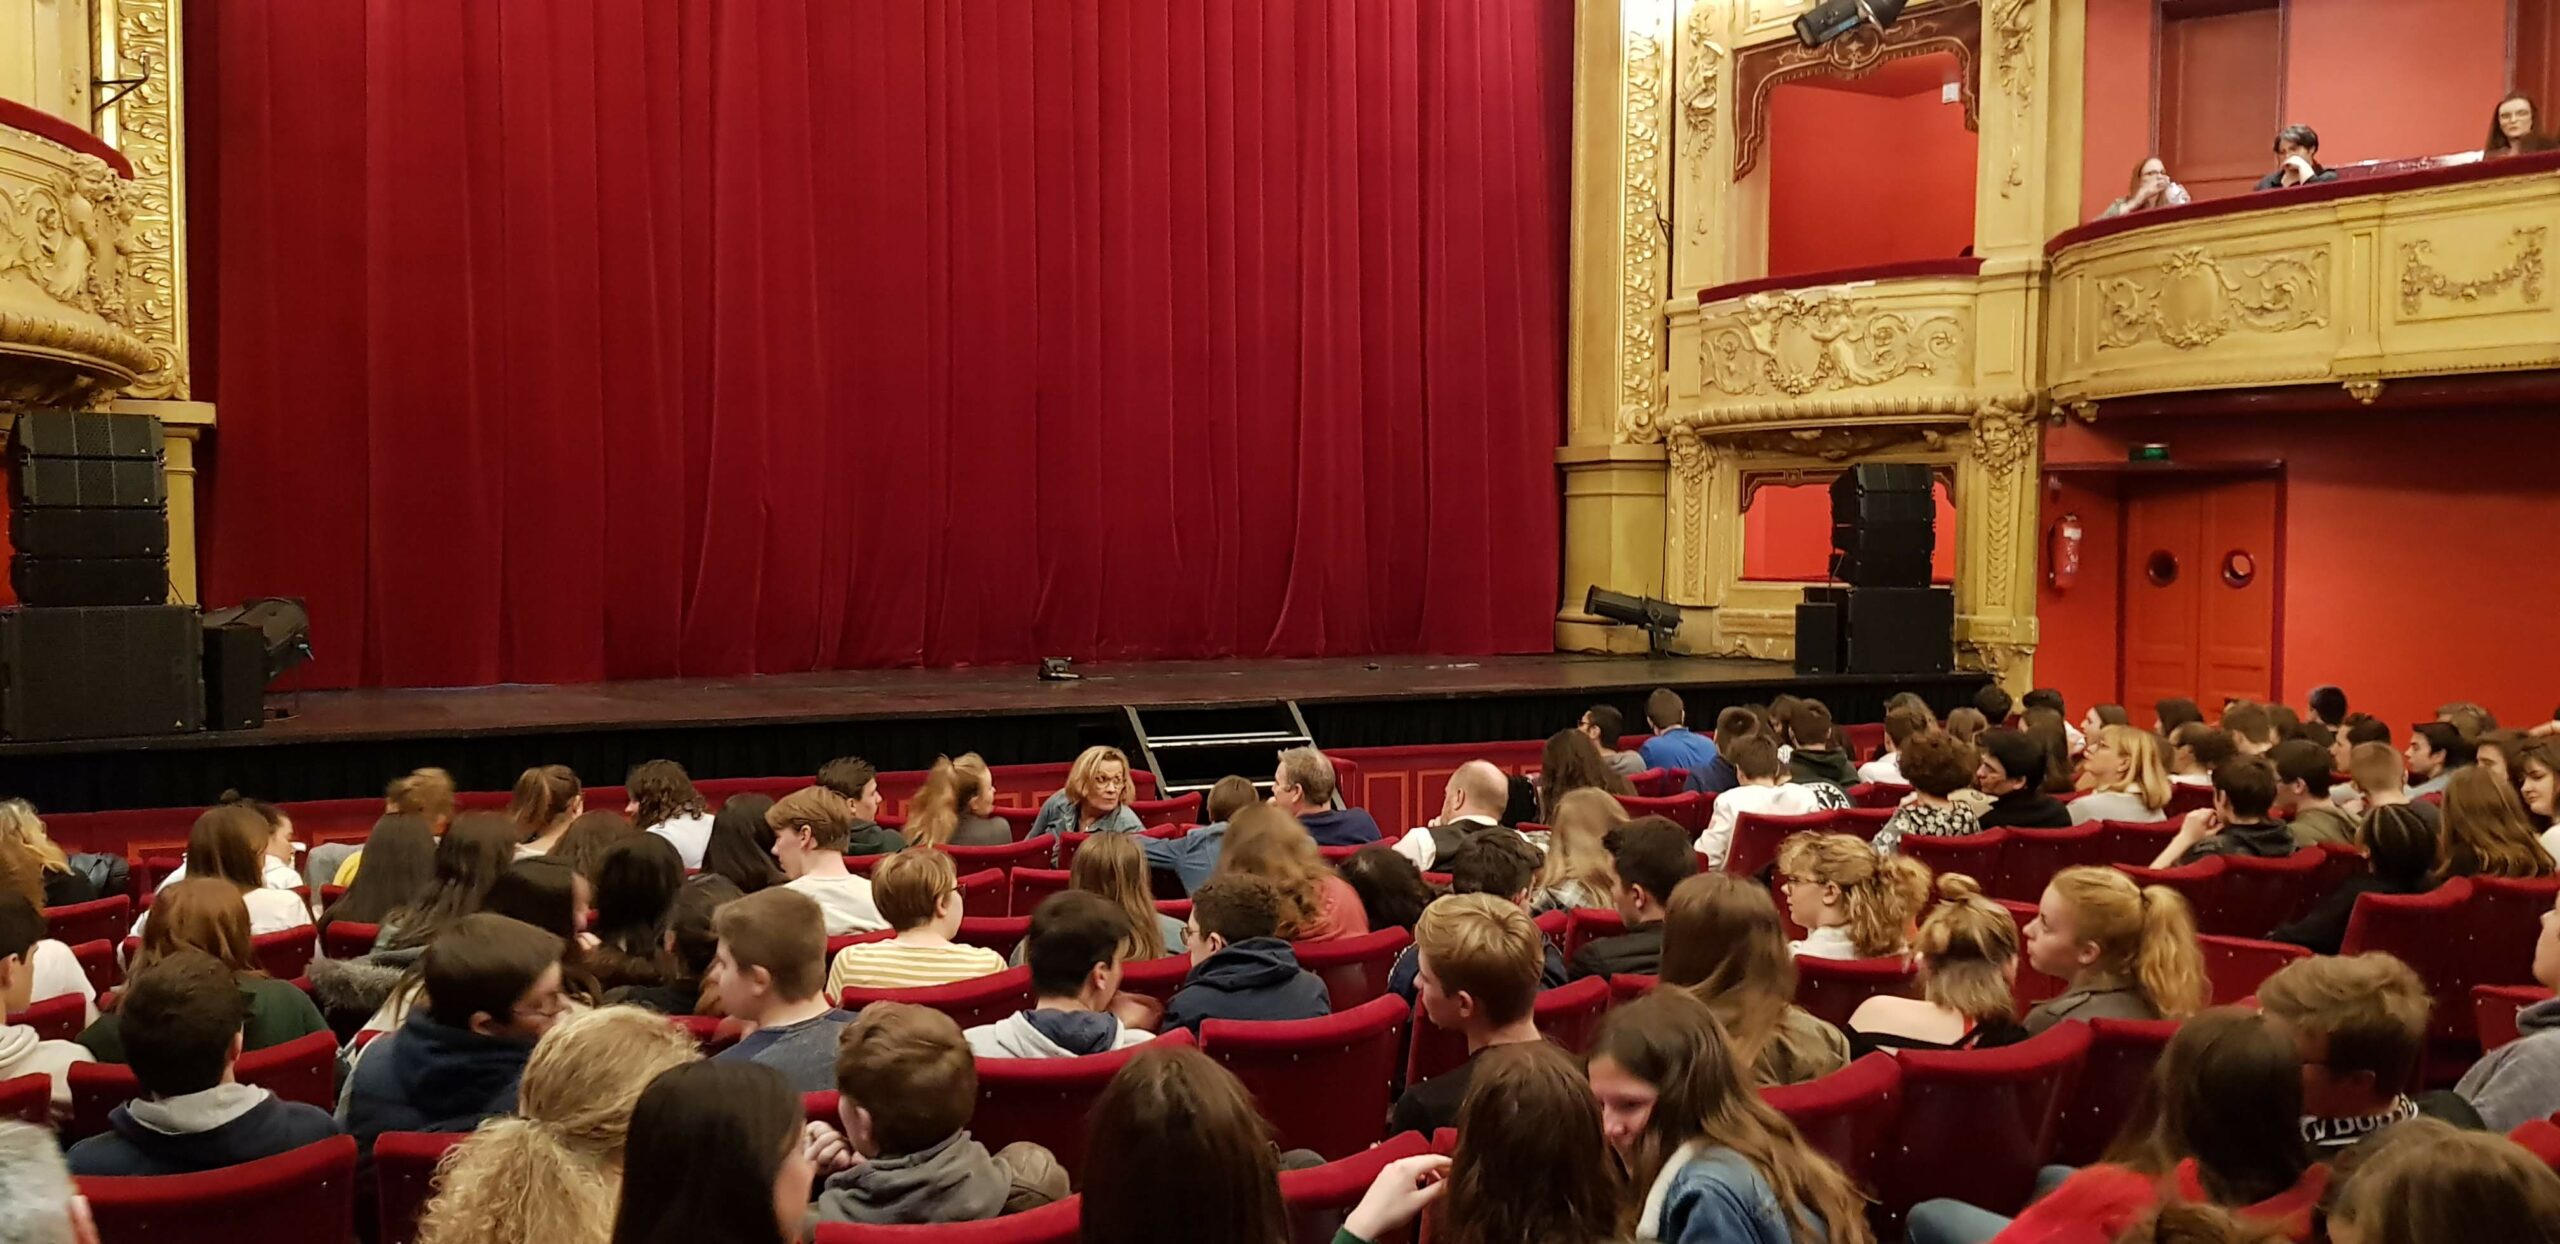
x=1179 y=810
x=2199 y=883
x=346 y=939
x=1045 y=1100
x=1832 y=989
x=2114 y=1079
x=970 y=1003
x=1028 y=853
x=2238 y=965
x=1030 y=885
x=286 y=953
x=1354 y=969
x=983 y=893
x=1885 y=795
x=1626 y=987
x=55 y=1019
x=106 y=919
x=2185 y=797
x=1864 y=740
x=2502 y=922
x=1566 y=1015
x=1976 y=855
x=2031 y=857
x=997 y=933
x=2494 y=1008
x=1056 y=1223
x=1756 y=839
x=1325 y=1084
x=1020 y=819
x=2136 y=842
x=1659 y=783
x=1589 y=925
x=707 y=1031
x=1319 y=1196
x=1156 y=978
x=1862 y=822
x=1689 y=808
x=1977 y=1125
x=306 y=1196
x=404 y=1178
x=2420 y=929
x=29 y=1099
x=842 y=940
x=2256 y=895
x=98 y=963
x=1848 y=1115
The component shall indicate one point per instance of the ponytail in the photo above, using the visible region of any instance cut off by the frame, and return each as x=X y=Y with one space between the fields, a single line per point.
x=1882 y=897
x=2169 y=964
x=543 y=795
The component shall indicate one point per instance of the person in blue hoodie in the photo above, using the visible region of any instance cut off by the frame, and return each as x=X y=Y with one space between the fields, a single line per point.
x=182 y=1020
x=1718 y=775
x=492 y=988
x=1240 y=969
x=1304 y=785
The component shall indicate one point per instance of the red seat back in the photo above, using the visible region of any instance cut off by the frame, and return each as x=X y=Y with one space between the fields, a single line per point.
x=1156 y=978
x=1325 y=1084
x=1028 y=853
x=1019 y=818
x=1756 y=838
x=1848 y=1115
x=1570 y=1014
x=306 y=1196
x=97 y=961
x=711 y=1033
x=1833 y=988
x=1690 y=808
x=286 y=953
x=1629 y=986
x=2199 y=883
x=2031 y=857
x=1863 y=740
x=29 y=1099
x=1058 y=1222
x=2186 y=797
x=106 y=919
x=1860 y=822
x=2493 y=1012
x=2255 y=895
x=1318 y=1197
x=1432 y=1048
x=997 y=933
x=2238 y=965
x=1976 y=855
x=1354 y=969
x=1590 y=924
x=1659 y=783
x=2004 y=1103
x=1030 y=885
x=1179 y=810
x=2114 y=1080
x=970 y=1003
x=1883 y=795
x=346 y=939
x=2135 y=842
x=2501 y=924
x=842 y=940
x=2416 y=928
x=56 y=1019
x=2340 y=863
x=1045 y=1100
x=983 y=893
x=404 y=1178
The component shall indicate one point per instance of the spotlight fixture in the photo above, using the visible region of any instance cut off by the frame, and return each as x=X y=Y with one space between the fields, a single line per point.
x=1659 y=618
x=1831 y=19
x=283 y=624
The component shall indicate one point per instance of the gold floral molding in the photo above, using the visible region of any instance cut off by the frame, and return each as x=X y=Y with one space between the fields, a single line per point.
x=2418 y=279
x=2013 y=24
x=1643 y=266
x=64 y=291
x=1834 y=442
x=1797 y=342
x=2195 y=301
x=1701 y=82
x=139 y=39
x=1692 y=459
x=2004 y=444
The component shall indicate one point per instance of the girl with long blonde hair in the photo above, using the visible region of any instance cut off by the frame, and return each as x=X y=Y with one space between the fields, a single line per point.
x=956 y=807
x=2125 y=777
x=26 y=852
x=1113 y=866
x=1722 y=942
x=1578 y=871
x=1317 y=905
x=551 y=1173
x=1968 y=950
x=1852 y=903
x=2124 y=951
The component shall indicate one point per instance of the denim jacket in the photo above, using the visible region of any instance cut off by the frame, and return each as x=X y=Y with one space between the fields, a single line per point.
x=1712 y=1195
x=1061 y=816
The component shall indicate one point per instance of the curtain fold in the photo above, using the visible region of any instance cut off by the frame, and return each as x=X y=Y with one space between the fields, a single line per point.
x=566 y=340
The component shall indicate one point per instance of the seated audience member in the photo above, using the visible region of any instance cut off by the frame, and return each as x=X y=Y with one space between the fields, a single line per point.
x=2051 y=698
x=2361 y=728
x=2101 y=716
x=1240 y=969
x=956 y=807
x=2045 y=728
x=741 y=845
x=1532 y=1162
x=1937 y=766
x=228 y=844
x=1817 y=755
x=1095 y=799
x=2486 y=832
x=492 y=987
x=664 y=802
x=770 y=971
x=1392 y=891
x=856 y=785
x=1113 y=867
x=1650 y=855
x=636 y=886
x=1968 y=951
x=1604 y=725
x=812 y=830
x=2497 y=751
x=1504 y=870
x=1471 y=803
x=474 y=853
x=2124 y=778
x=2195 y=751
x=2302 y=792
x=2378 y=771
x=2244 y=792
x=1075 y=942
x=2428 y=1182
x=2328 y=703
x=546 y=799
x=1718 y=776
x=2225 y=1130
x=2150 y=188
x=2400 y=858
x=906 y=1085
x=1723 y=943
x=918 y=893
x=2252 y=729
x=403 y=870
x=1995 y=705
x=1576 y=871
x=2538 y=777
x=1569 y=762
x=1303 y=785
x=427 y=794
x=1765 y=790
x=1967 y=725
x=39 y=1203
x=22 y=1052
x=2012 y=773
x=2521 y=1079
x=2467 y=719
x=1901 y=725
x=593 y=834
x=2514 y=129
x=1177 y=1153
x=548 y=895
x=2122 y=951
x=1316 y=904
x=1673 y=745
x=1194 y=856
x=1481 y=961
x=1853 y=903
x=718 y=1154
x=692 y=943
x=2436 y=750
x=2359 y=1025
x=205 y=916
x=2169 y=715
x=552 y=1170
x=23 y=840
x=1709 y=1160
x=2297 y=150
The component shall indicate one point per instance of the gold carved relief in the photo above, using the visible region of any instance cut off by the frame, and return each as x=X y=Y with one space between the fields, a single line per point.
x=1691 y=460
x=1699 y=89
x=1642 y=267
x=1835 y=442
x=2013 y=26
x=68 y=238
x=2418 y=279
x=1797 y=342
x=2194 y=301
x=138 y=39
x=2004 y=443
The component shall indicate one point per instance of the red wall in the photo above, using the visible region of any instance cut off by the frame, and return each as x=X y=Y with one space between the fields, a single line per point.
x=2386 y=78
x=1858 y=179
x=2115 y=99
x=2078 y=655
x=2416 y=565
x=1786 y=534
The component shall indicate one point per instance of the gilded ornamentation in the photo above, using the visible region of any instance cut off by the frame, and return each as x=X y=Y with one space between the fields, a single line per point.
x=2195 y=301
x=1999 y=659
x=2085 y=411
x=2013 y=23
x=2004 y=443
x=2364 y=389
x=1691 y=460
x=1797 y=342
x=1641 y=268
x=2418 y=279
x=138 y=39
x=1699 y=88
x=69 y=238
x=1836 y=442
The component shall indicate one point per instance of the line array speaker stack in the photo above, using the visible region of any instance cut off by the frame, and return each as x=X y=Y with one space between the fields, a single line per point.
x=1889 y=619
x=93 y=650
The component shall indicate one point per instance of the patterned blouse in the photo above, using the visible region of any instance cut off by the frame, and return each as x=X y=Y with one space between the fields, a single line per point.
x=1951 y=821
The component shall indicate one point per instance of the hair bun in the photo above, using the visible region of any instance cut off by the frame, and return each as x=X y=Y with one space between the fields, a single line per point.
x=1958 y=888
x=230 y=796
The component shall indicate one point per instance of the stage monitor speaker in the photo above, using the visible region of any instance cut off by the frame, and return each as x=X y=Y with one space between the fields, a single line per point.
x=100 y=673
x=235 y=677
x=1893 y=630
x=60 y=581
x=1818 y=638
x=97 y=483
x=1883 y=568
x=81 y=532
x=84 y=434
x=1868 y=509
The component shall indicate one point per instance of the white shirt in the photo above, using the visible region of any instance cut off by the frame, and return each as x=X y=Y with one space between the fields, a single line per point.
x=277 y=875
x=690 y=834
x=1886 y=768
x=1784 y=799
x=846 y=900
x=2192 y=779
x=1416 y=845
x=57 y=972
x=270 y=911
x=2551 y=842
x=1828 y=942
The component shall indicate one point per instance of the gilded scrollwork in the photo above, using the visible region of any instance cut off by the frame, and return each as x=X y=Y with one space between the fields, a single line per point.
x=1692 y=459
x=2013 y=27
x=1797 y=342
x=1642 y=267
x=138 y=41
x=1837 y=442
x=2419 y=280
x=68 y=238
x=2004 y=444
x=1701 y=86
x=2194 y=299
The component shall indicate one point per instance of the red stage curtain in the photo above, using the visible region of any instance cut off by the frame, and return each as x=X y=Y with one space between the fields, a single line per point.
x=562 y=340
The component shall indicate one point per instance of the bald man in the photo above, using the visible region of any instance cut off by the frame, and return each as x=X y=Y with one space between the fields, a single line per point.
x=1471 y=807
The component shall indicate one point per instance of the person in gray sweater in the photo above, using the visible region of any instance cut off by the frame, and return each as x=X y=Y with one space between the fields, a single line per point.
x=771 y=971
x=905 y=1085
x=2520 y=1081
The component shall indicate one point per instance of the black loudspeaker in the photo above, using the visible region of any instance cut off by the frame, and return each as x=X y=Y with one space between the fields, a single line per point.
x=82 y=532
x=83 y=581
x=1896 y=568
x=111 y=483
x=100 y=673
x=235 y=677
x=1883 y=524
x=1818 y=638
x=1892 y=630
x=84 y=434
x=1869 y=489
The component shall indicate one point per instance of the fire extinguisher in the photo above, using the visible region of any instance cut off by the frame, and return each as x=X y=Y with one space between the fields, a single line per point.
x=2062 y=553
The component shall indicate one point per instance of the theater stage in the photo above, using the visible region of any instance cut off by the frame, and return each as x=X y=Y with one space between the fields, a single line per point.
x=347 y=743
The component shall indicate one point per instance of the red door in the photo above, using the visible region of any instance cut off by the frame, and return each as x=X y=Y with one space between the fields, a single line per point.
x=2199 y=590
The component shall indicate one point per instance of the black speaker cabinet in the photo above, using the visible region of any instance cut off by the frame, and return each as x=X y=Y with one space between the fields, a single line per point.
x=1893 y=630
x=1882 y=567
x=84 y=434
x=59 y=581
x=77 y=531
x=115 y=483
x=100 y=673
x=1818 y=638
x=235 y=677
